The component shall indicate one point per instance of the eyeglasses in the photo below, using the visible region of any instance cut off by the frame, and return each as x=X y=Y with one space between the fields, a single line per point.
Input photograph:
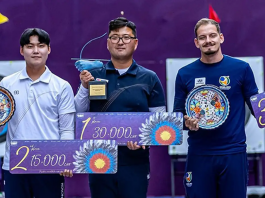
x=125 y=39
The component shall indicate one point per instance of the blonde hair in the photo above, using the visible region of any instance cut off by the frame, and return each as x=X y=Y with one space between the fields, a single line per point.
x=206 y=21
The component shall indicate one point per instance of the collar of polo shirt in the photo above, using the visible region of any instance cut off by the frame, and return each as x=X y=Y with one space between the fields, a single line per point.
x=45 y=77
x=132 y=70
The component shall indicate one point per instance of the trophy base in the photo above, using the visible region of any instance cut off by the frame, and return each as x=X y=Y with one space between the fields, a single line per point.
x=97 y=90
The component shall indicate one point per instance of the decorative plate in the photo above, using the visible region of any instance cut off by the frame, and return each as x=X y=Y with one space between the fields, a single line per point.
x=7 y=106
x=208 y=104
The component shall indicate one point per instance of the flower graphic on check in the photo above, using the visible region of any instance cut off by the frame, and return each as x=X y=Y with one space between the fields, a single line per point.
x=96 y=156
x=162 y=129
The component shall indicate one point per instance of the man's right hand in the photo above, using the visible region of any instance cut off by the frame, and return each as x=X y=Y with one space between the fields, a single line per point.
x=191 y=123
x=85 y=77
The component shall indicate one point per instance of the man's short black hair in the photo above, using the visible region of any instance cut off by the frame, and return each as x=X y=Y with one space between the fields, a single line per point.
x=122 y=22
x=43 y=36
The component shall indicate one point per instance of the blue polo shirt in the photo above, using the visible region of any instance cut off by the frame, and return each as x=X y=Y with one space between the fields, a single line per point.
x=136 y=90
x=235 y=78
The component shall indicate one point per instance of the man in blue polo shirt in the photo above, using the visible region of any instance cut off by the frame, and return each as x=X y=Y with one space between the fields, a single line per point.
x=217 y=161
x=131 y=88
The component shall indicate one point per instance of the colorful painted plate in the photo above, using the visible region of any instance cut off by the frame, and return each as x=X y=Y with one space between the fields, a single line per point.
x=209 y=104
x=7 y=106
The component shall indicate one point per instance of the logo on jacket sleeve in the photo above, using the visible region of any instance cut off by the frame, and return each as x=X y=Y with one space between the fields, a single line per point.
x=188 y=179
x=224 y=81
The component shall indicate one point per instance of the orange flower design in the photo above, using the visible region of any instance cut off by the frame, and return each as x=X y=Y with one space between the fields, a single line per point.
x=217 y=105
x=197 y=109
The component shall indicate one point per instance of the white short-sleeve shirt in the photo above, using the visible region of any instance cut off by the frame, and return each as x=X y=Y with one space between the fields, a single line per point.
x=38 y=106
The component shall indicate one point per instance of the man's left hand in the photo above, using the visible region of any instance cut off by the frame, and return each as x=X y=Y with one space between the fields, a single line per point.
x=134 y=146
x=67 y=173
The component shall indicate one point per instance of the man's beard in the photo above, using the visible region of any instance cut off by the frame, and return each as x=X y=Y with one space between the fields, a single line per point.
x=209 y=53
x=210 y=44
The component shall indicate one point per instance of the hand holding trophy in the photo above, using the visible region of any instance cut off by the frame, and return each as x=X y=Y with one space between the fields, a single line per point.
x=97 y=88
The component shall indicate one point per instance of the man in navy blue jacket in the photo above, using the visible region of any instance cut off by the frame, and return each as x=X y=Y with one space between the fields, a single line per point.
x=131 y=88
x=217 y=161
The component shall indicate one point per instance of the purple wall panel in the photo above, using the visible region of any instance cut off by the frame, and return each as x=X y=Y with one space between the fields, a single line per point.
x=165 y=30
